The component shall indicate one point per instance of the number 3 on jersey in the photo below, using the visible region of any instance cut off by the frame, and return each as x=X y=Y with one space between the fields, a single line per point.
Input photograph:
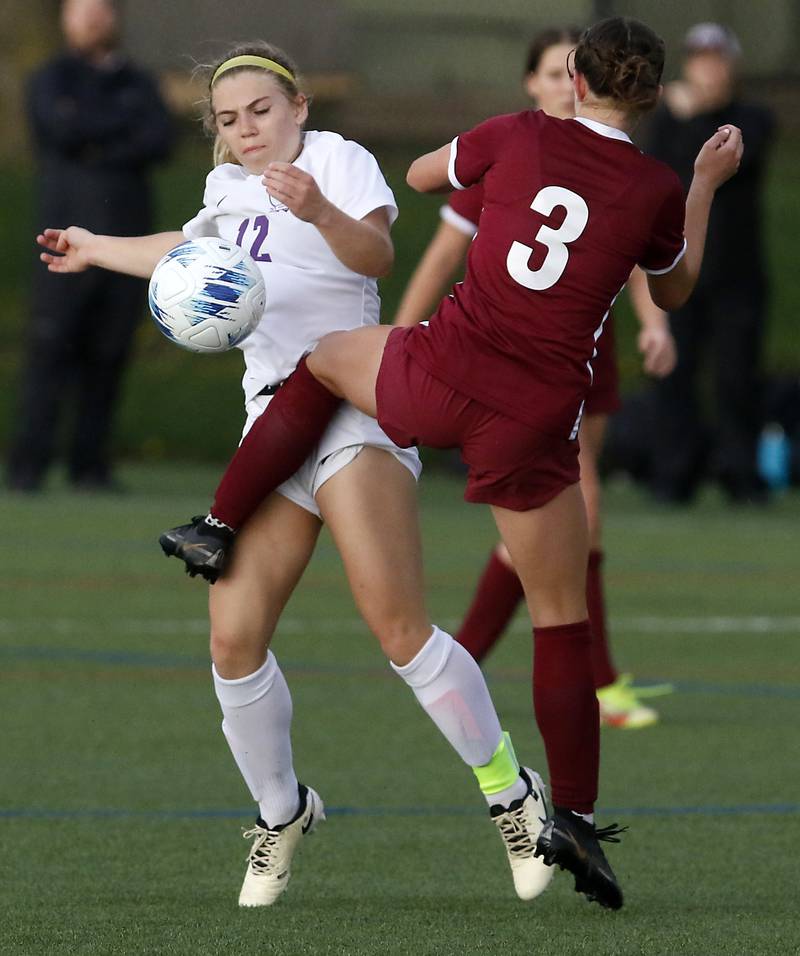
x=556 y=240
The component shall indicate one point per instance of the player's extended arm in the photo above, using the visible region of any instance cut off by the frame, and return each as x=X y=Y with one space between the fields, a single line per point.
x=716 y=162
x=429 y=173
x=363 y=245
x=655 y=340
x=432 y=277
x=75 y=249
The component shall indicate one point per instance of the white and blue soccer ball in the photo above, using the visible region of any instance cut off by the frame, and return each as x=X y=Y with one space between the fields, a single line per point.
x=207 y=295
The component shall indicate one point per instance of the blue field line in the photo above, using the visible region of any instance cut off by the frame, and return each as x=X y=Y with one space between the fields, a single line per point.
x=101 y=813
x=147 y=659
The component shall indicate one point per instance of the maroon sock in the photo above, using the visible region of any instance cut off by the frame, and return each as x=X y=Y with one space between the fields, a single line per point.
x=498 y=593
x=602 y=666
x=275 y=447
x=565 y=705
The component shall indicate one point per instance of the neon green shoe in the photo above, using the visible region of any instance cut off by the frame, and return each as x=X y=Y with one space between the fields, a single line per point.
x=621 y=705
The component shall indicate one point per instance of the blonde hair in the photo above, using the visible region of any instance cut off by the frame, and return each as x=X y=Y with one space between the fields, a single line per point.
x=221 y=153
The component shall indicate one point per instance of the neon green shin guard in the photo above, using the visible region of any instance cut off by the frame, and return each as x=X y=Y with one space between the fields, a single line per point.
x=501 y=771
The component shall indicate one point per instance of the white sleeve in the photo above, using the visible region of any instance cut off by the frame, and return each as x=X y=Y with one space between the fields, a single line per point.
x=457 y=221
x=451 y=165
x=205 y=222
x=356 y=184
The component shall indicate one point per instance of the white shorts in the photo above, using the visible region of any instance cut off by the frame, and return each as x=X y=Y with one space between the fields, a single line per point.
x=349 y=432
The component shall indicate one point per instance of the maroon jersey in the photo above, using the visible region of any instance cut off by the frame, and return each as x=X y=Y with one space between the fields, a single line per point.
x=569 y=208
x=463 y=211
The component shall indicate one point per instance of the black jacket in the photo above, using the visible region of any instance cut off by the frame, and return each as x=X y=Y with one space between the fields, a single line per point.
x=734 y=246
x=96 y=130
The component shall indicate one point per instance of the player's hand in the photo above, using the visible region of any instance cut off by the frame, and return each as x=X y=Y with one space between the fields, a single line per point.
x=658 y=351
x=720 y=156
x=67 y=249
x=296 y=189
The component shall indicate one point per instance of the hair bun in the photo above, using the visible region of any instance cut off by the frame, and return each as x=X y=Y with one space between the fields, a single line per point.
x=622 y=59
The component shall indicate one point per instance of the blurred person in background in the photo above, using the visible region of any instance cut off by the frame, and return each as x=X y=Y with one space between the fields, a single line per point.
x=499 y=592
x=722 y=325
x=98 y=124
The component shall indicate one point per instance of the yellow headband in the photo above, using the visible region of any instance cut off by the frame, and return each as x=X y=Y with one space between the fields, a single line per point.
x=248 y=60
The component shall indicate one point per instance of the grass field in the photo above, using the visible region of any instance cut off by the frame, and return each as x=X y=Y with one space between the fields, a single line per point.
x=120 y=808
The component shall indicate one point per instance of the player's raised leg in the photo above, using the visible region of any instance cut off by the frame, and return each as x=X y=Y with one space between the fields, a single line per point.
x=549 y=548
x=370 y=507
x=271 y=555
x=345 y=365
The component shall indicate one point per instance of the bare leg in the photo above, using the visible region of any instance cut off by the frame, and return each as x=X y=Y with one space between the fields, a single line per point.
x=592 y=435
x=347 y=364
x=370 y=507
x=549 y=547
x=344 y=364
x=499 y=590
x=271 y=554
x=244 y=606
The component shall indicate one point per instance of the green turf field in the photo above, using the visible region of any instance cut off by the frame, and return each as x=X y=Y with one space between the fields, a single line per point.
x=120 y=809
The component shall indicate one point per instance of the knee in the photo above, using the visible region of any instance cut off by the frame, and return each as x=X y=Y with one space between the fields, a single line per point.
x=401 y=638
x=553 y=607
x=225 y=646
x=234 y=651
x=501 y=552
x=323 y=362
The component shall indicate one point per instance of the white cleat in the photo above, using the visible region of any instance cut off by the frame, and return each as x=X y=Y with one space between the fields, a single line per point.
x=520 y=825
x=269 y=863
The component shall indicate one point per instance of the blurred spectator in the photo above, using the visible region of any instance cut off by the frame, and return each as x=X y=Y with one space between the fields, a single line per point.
x=725 y=317
x=97 y=123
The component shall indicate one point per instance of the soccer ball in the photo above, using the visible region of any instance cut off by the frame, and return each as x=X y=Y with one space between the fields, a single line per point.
x=206 y=295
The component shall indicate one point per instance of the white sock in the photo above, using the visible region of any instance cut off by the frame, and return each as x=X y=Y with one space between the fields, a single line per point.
x=588 y=817
x=213 y=522
x=450 y=687
x=257 y=720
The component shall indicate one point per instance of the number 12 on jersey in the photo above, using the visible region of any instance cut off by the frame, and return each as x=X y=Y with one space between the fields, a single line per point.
x=261 y=229
x=556 y=240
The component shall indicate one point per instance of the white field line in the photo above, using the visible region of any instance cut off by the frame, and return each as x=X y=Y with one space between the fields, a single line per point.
x=762 y=624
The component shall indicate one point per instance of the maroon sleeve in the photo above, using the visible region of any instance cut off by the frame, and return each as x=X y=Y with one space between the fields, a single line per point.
x=667 y=244
x=467 y=203
x=472 y=153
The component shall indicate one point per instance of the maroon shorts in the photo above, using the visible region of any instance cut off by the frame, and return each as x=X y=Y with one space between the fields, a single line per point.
x=510 y=464
x=603 y=397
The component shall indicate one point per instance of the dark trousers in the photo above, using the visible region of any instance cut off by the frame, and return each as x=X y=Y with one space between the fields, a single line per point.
x=720 y=332
x=81 y=330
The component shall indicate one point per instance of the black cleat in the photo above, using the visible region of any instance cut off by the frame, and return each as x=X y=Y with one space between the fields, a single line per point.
x=572 y=844
x=202 y=547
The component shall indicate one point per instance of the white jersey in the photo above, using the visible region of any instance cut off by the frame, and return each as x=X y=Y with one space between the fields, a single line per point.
x=309 y=291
